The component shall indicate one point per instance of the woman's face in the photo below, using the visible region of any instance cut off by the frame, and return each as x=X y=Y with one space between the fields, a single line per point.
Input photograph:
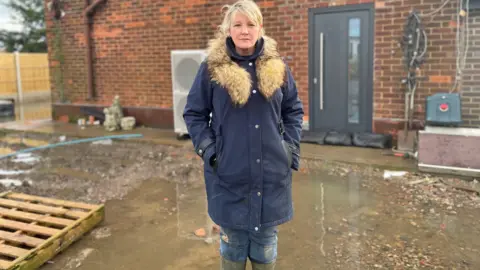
x=244 y=32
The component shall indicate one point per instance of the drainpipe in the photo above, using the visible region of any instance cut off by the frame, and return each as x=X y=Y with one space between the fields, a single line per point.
x=87 y=13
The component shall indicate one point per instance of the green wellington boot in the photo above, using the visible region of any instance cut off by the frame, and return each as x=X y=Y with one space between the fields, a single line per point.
x=229 y=265
x=268 y=266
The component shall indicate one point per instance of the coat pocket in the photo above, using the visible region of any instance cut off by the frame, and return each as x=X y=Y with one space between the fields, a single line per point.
x=288 y=151
x=219 y=152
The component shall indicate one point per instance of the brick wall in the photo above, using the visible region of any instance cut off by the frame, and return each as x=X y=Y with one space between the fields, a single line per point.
x=73 y=51
x=133 y=39
x=471 y=76
x=131 y=45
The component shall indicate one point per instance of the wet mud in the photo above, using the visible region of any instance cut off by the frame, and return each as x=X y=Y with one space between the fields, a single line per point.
x=346 y=216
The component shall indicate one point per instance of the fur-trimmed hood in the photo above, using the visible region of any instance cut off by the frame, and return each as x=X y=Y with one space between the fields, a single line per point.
x=270 y=70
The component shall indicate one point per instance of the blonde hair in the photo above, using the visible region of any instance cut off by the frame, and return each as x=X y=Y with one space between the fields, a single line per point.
x=247 y=8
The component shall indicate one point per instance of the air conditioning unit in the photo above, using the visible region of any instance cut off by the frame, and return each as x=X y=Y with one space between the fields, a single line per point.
x=185 y=65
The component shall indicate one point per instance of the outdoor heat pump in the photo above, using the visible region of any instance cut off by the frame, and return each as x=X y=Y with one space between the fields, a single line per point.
x=185 y=65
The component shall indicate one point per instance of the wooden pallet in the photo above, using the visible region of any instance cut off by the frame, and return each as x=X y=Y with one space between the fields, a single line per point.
x=34 y=229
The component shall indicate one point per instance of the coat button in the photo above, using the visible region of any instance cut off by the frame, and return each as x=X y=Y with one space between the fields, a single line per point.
x=256 y=228
x=250 y=64
x=256 y=126
x=259 y=194
x=258 y=160
x=254 y=91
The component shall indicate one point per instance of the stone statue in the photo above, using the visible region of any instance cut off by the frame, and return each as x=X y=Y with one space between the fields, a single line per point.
x=117 y=109
x=110 y=123
x=128 y=123
x=114 y=119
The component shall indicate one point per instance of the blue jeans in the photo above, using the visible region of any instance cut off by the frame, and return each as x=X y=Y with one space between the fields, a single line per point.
x=238 y=245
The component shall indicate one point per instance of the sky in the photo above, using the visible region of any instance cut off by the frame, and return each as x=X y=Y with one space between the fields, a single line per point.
x=5 y=18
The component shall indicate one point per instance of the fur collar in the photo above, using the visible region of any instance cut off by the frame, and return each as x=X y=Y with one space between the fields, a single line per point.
x=270 y=70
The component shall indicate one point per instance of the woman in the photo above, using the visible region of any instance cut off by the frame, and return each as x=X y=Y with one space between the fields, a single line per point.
x=250 y=144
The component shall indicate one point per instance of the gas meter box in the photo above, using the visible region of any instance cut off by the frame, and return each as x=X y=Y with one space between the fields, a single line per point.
x=443 y=109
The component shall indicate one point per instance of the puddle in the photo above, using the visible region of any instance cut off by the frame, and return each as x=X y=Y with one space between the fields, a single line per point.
x=26 y=141
x=17 y=172
x=353 y=221
x=36 y=106
x=12 y=182
x=338 y=224
x=6 y=151
x=26 y=158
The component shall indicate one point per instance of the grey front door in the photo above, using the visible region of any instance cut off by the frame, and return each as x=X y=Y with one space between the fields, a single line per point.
x=341 y=68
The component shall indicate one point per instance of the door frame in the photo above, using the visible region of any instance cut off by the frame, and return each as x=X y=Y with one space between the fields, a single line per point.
x=370 y=7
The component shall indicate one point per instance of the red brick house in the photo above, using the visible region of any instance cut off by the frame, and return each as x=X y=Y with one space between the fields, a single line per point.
x=131 y=42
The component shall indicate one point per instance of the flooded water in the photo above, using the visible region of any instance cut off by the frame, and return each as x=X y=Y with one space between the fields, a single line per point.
x=25 y=142
x=346 y=216
x=340 y=223
x=35 y=110
x=32 y=111
x=359 y=229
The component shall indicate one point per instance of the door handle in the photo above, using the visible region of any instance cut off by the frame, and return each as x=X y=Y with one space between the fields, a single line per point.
x=321 y=71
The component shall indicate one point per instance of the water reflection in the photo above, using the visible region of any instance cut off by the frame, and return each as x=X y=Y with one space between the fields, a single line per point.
x=35 y=108
x=361 y=221
x=25 y=90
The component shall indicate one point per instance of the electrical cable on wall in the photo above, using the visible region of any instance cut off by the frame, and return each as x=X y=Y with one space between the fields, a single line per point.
x=462 y=41
x=415 y=46
x=436 y=10
x=462 y=36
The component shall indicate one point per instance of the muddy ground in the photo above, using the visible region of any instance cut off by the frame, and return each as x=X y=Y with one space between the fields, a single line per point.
x=346 y=217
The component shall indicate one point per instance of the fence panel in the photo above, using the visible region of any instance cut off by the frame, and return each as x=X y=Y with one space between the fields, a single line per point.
x=8 y=78
x=34 y=72
x=25 y=81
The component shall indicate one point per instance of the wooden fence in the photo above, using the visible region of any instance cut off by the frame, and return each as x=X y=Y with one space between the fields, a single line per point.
x=25 y=82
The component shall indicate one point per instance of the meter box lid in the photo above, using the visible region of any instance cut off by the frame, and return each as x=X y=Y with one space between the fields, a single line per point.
x=443 y=109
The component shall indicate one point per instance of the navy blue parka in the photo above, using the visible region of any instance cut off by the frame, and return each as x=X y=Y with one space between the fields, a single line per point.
x=251 y=142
